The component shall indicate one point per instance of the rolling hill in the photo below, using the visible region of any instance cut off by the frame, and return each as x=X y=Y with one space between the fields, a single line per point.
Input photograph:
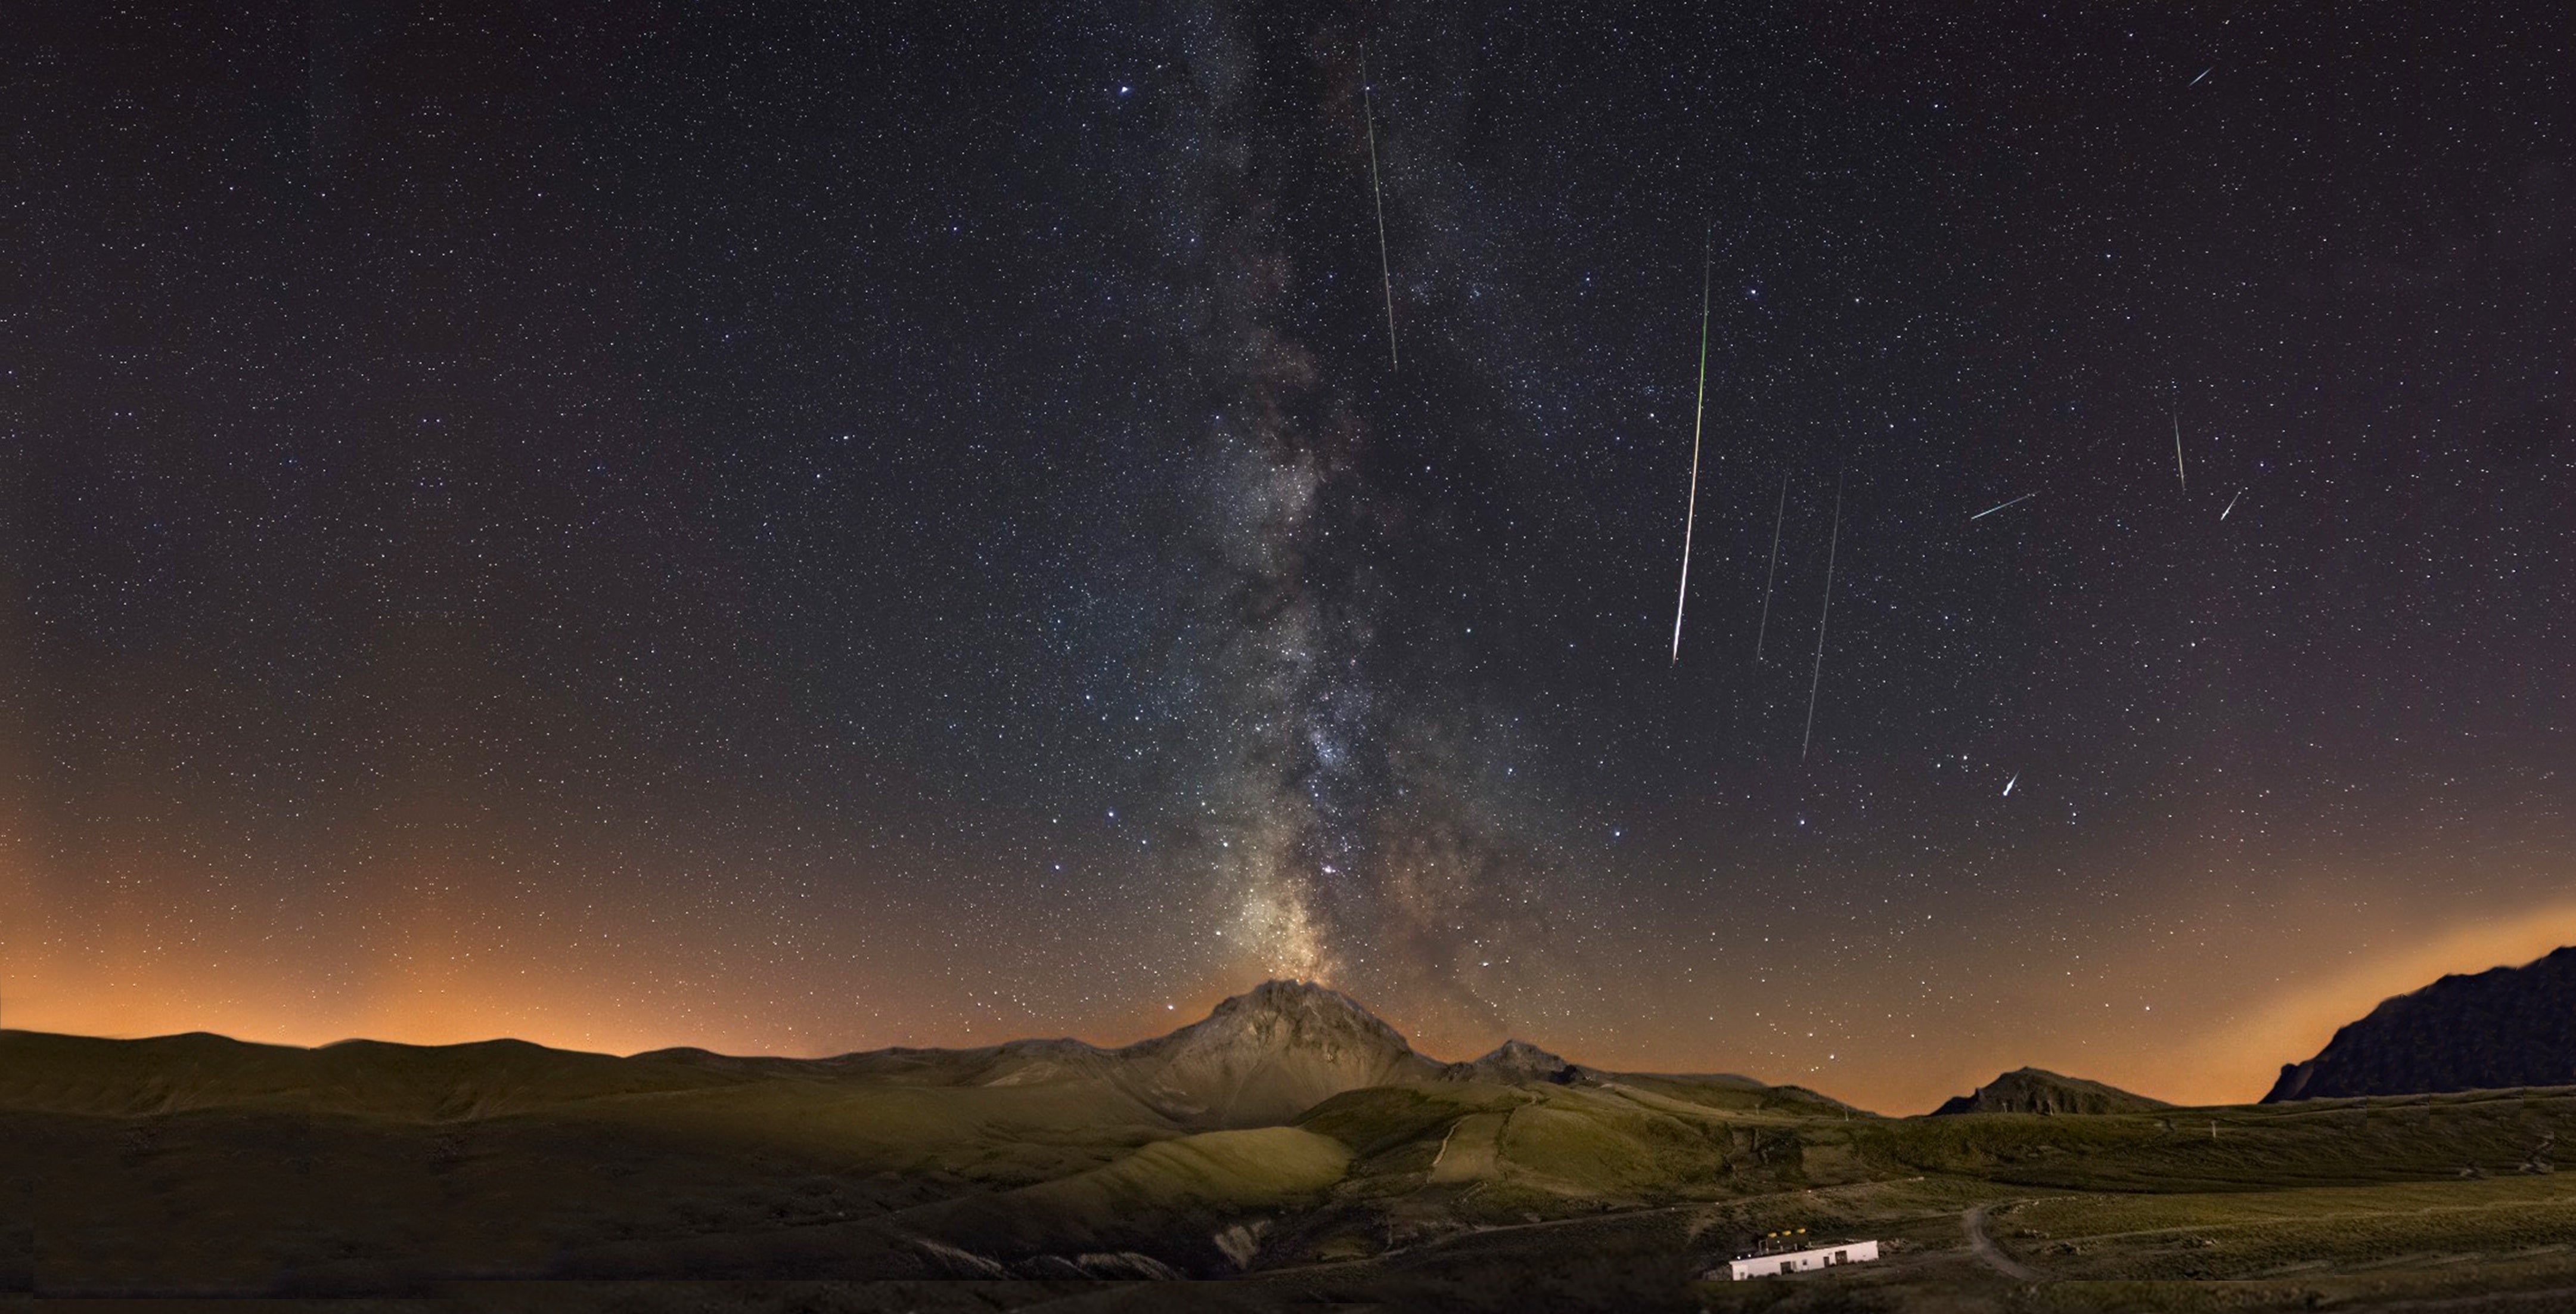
x=1290 y=1144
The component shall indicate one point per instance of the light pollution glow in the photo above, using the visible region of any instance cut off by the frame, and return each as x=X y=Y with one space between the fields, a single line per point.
x=123 y=970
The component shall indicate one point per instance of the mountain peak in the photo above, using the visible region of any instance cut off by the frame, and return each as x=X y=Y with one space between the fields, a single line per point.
x=1517 y=1061
x=1287 y=994
x=1292 y=1013
x=2037 y=1090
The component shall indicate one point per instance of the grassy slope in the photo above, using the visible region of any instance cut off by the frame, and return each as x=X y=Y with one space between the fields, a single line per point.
x=198 y=1164
x=2259 y=1146
x=1169 y=1199
x=2268 y=1233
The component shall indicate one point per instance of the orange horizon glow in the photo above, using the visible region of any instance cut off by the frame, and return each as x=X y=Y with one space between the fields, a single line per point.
x=2229 y=1059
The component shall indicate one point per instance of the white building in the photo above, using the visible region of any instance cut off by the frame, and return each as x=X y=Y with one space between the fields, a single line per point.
x=1777 y=1262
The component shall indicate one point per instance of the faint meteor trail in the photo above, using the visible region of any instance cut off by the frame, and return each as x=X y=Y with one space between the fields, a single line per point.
x=2001 y=505
x=1816 y=676
x=2177 y=421
x=2203 y=73
x=1386 y=276
x=1774 y=576
x=2231 y=503
x=2016 y=779
x=1690 y=517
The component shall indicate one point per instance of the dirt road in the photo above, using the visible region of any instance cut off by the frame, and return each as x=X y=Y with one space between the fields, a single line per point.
x=1987 y=1250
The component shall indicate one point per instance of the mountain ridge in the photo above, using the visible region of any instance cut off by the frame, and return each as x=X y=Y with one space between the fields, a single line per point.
x=2502 y=1028
x=1259 y=1058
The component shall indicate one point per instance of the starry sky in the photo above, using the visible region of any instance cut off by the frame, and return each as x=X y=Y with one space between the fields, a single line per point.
x=804 y=528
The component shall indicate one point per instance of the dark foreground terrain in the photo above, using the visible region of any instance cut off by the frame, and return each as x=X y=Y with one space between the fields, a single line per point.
x=1173 y=1175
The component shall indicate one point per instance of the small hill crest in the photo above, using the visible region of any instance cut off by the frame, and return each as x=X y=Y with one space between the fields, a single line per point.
x=2037 y=1090
x=1516 y=1061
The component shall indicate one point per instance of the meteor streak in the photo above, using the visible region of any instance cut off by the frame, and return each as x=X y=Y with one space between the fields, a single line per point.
x=2016 y=778
x=1774 y=577
x=2177 y=421
x=2231 y=503
x=1386 y=276
x=2203 y=73
x=1690 y=517
x=2001 y=505
x=1816 y=676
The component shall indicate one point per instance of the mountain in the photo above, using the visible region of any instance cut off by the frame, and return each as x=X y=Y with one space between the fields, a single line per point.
x=1258 y=1060
x=2506 y=1027
x=1514 y=1062
x=1267 y=1055
x=2033 y=1090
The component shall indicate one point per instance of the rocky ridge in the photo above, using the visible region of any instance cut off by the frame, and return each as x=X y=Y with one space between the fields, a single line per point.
x=2504 y=1028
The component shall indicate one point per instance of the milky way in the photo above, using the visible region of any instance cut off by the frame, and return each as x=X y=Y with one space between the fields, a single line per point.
x=1336 y=754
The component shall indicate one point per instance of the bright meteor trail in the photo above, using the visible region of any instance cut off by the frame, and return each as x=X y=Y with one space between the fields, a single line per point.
x=2231 y=503
x=1386 y=276
x=1690 y=516
x=2001 y=505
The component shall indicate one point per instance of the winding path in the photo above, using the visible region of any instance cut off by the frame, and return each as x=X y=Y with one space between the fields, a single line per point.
x=1480 y=1151
x=1987 y=1250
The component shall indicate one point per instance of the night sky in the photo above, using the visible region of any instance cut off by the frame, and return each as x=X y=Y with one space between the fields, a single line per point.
x=812 y=528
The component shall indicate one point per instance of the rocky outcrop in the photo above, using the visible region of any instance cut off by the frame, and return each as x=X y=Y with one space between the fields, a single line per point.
x=2033 y=1090
x=2500 y=1029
